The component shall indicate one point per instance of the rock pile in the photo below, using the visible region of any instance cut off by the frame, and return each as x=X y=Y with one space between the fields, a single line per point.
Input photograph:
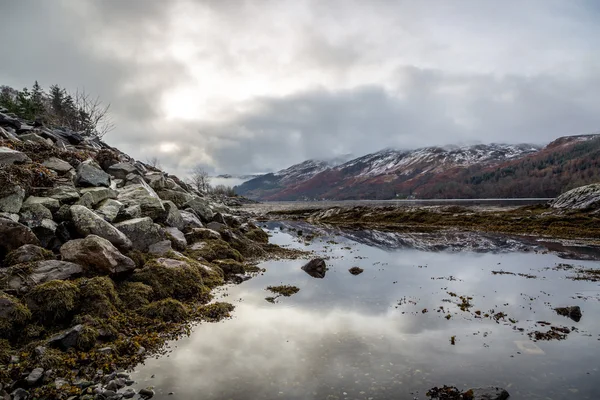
x=96 y=248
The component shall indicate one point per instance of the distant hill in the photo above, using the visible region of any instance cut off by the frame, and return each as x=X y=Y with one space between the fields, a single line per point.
x=493 y=170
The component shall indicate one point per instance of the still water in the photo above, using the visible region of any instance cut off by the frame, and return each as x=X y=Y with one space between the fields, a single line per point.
x=379 y=335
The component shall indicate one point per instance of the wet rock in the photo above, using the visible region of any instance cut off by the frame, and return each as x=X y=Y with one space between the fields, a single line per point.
x=573 y=312
x=24 y=254
x=176 y=237
x=11 y=198
x=173 y=217
x=579 y=198
x=86 y=222
x=109 y=209
x=179 y=198
x=201 y=207
x=9 y=157
x=356 y=270
x=143 y=196
x=316 y=268
x=190 y=221
x=64 y=194
x=97 y=254
x=14 y=235
x=66 y=339
x=142 y=232
x=146 y=393
x=48 y=202
x=58 y=165
x=89 y=175
x=121 y=170
x=489 y=393
x=34 y=376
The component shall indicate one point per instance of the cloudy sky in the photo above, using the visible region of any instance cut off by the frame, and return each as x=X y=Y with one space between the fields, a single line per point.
x=253 y=86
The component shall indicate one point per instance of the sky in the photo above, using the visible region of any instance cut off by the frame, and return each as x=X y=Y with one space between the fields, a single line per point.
x=244 y=87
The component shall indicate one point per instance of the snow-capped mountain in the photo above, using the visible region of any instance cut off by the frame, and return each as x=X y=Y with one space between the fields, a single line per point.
x=431 y=172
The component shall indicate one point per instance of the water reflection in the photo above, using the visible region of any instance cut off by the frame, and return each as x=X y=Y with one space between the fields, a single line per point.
x=367 y=336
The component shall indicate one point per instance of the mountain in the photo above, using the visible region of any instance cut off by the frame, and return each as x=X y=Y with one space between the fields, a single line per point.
x=492 y=170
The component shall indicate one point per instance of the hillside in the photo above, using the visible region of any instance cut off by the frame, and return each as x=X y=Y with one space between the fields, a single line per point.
x=494 y=170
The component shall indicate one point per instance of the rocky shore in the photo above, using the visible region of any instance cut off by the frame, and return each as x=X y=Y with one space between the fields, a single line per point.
x=103 y=259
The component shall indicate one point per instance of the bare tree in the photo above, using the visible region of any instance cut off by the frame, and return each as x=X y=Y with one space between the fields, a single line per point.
x=200 y=179
x=154 y=162
x=93 y=114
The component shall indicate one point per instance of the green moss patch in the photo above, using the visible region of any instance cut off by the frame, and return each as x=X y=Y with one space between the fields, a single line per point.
x=53 y=301
x=13 y=314
x=135 y=295
x=284 y=290
x=98 y=296
x=168 y=310
x=258 y=235
x=214 y=250
x=216 y=311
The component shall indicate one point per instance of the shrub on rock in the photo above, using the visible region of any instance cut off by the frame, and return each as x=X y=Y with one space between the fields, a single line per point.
x=53 y=301
x=168 y=310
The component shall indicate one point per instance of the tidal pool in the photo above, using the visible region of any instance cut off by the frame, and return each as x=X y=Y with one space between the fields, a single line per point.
x=397 y=329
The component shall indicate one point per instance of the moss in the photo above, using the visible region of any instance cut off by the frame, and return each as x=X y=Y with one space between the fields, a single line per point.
x=53 y=301
x=168 y=310
x=230 y=267
x=135 y=295
x=98 y=296
x=18 y=315
x=140 y=259
x=215 y=250
x=5 y=351
x=27 y=176
x=216 y=311
x=87 y=338
x=284 y=290
x=12 y=258
x=181 y=283
x=258 y=235
x=212 y=275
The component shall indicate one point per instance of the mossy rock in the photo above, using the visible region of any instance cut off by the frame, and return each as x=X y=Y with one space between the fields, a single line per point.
x=212 y=275
x=141 y=258
x=87 y=338
x=26 y=254
x=135 y=295
x=258 y=235
x=230 y=267
x=214 y=250
x=97 y=296
x=53 y=301
x=13 y=314
x=167 y=310
x=182 y=282
x=5 y=351
x=216 y=311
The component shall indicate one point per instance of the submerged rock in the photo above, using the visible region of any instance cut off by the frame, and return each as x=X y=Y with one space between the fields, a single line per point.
x=573 y=312
x=315 y=268
x=488 y=393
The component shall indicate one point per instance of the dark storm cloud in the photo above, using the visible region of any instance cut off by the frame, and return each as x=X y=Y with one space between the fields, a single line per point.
x=252 y=86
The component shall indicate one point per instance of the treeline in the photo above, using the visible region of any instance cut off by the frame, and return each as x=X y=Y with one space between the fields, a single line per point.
x=77 y=111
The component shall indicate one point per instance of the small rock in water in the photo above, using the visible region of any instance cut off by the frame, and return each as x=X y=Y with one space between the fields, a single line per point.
x=573 y=312
x=356 y=270
x=129 y=393
x=146 y=393
x=316 y=268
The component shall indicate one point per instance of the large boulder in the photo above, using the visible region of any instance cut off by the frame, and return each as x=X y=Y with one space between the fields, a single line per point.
x=64 y=194
x=9 y=157
x=14 y=235
x=58 y=165
x=201 y=207
x=86 y=222
x=142 y=232
x=177 y=197
x=583 y=197
x=11 y=198
x=573 y=312
x=315 y=268
x=121 y=170
x=97 y=255
x=176 y=237
x=89 y=175
x=145 y=197
x=173 y=217
x=109 y=209
x=190 y=221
